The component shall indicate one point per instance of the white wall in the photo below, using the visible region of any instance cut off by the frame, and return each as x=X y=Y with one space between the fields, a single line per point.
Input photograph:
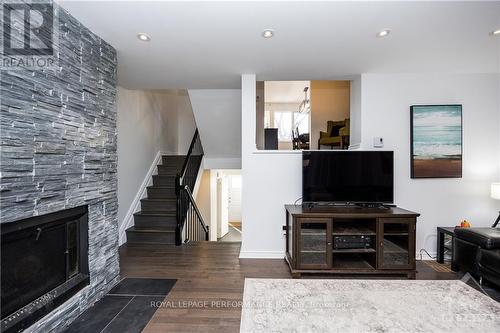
x=218 y=116
x=355 y=135
x=386 y=101
x=186 y=124
x=148 y=122
x=272 y=179
x=203 y=197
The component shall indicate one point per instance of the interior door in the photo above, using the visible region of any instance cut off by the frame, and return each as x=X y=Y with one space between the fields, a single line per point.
x=234 y=198
x=222 y=206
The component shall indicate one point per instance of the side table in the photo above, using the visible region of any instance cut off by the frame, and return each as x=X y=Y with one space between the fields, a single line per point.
x=442 y=232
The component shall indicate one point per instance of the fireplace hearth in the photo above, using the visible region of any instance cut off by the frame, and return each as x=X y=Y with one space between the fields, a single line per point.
x=44 y=262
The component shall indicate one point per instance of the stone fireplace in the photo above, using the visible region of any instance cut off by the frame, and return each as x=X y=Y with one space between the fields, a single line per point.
x=58 y=155
x=44 y=262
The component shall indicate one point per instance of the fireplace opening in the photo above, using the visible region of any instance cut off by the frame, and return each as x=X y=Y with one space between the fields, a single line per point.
x=44 y=262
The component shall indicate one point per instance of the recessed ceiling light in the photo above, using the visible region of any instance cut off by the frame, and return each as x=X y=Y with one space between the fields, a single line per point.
x=383 y=33
x=268 y=33
x=495 y=32
x=144 y=37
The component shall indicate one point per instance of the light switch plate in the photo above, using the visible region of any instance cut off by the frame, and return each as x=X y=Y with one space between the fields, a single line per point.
x=378 y=142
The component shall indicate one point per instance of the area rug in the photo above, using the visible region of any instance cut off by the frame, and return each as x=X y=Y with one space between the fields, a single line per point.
x=276 y=305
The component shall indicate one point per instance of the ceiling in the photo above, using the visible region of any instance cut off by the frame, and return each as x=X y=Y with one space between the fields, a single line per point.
x=210 y=44
x=285 y=91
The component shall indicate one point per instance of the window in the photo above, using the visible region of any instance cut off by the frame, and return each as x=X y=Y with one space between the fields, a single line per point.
x=283 y=122
x=267 y=119
x=286 y=122
x=301 y=121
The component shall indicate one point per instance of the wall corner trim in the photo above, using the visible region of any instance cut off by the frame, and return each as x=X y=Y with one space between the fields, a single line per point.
x=135 y=206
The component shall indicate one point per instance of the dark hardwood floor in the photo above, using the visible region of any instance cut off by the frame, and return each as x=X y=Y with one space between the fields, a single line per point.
x=233 y=235
x=210 y=279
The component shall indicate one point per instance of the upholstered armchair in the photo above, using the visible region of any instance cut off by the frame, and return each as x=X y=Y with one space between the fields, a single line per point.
x=336 y=135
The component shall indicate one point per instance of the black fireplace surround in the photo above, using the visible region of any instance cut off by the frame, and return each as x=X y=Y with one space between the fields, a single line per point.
x=44 y=262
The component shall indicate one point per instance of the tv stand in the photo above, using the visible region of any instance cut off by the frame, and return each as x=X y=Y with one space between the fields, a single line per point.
x=325 y=239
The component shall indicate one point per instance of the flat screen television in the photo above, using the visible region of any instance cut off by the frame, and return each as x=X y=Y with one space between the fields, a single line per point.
x=348 y=177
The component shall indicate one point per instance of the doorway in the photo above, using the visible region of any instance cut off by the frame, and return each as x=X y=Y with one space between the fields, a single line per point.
x=218 y=198
x=229 y=206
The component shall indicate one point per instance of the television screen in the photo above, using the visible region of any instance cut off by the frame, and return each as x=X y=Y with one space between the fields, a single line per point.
x=348 y=176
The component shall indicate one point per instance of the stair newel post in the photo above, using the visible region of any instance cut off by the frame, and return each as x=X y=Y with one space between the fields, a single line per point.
x=178 y=229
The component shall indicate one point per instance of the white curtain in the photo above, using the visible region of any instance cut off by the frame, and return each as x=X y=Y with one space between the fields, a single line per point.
x=301 y=120
x=286 y=122
x=283 y=122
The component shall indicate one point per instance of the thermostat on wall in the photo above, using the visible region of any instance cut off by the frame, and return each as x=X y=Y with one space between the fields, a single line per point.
x=378 y=142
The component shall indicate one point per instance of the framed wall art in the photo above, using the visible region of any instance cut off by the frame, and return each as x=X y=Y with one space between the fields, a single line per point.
x=436 y=141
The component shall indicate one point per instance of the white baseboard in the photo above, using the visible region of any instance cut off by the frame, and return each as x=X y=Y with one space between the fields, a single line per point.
x=354 y=146
x=262 y=255
x=135 y=206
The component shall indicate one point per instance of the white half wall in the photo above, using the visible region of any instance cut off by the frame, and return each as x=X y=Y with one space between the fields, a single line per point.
x=269 y=181
x=272 y=179
x=218 y=117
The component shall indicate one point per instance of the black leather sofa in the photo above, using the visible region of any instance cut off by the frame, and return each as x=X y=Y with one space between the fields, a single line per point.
x=477 y=251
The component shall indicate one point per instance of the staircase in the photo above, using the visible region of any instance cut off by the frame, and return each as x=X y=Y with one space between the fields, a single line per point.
x=169 y=214
x=157 y=220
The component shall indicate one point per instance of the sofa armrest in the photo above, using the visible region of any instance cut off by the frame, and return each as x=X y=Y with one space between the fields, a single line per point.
x=323 y=135
x=484 y=237
x=465 y=256
x=344 y=131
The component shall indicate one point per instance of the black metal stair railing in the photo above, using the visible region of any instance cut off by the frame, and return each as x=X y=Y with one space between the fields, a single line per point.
x=190 y=224
x=193 y=227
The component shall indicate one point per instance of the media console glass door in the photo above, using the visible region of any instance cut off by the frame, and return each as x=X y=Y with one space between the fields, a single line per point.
x=315 y=244
x=396 y=243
